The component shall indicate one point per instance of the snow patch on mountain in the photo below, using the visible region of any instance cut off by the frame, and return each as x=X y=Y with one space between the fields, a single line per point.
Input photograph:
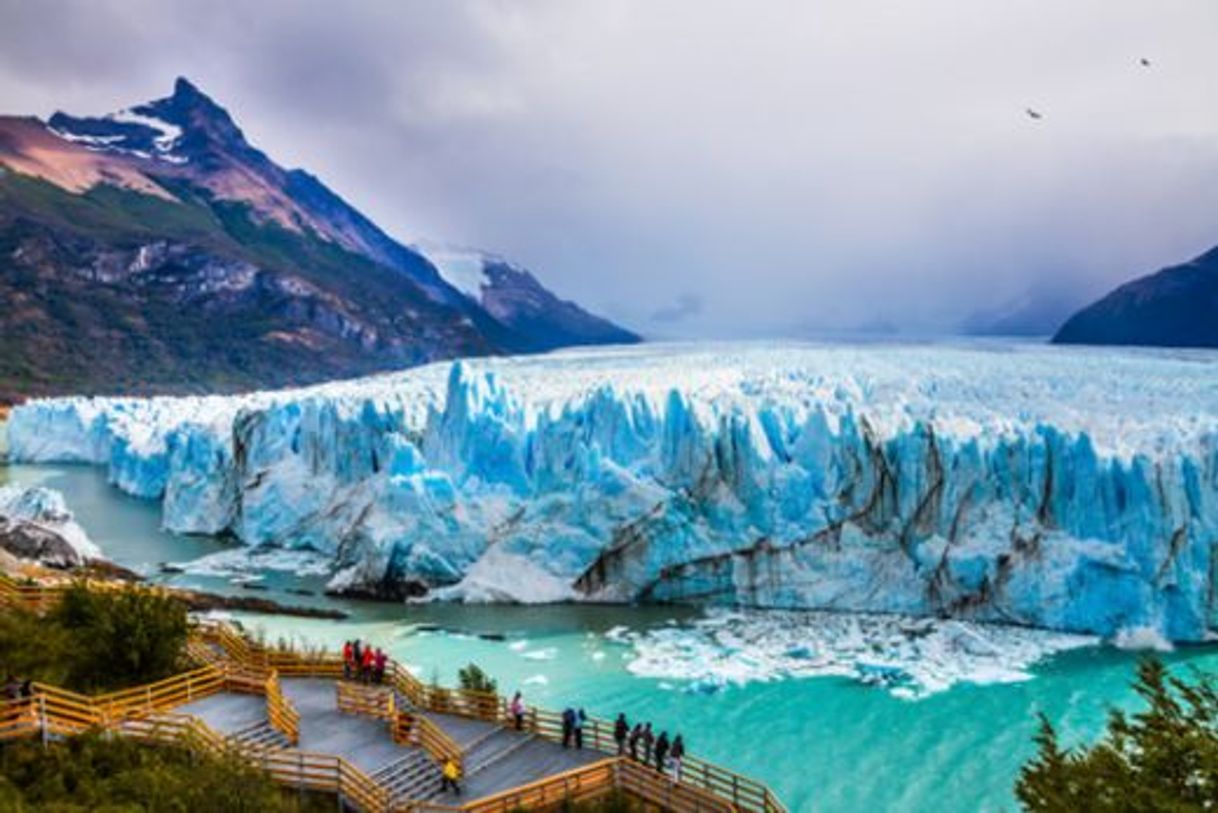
x=464 y=269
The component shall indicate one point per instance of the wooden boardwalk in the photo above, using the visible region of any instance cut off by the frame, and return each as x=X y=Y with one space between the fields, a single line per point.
x=497 y=758
x=379 y=749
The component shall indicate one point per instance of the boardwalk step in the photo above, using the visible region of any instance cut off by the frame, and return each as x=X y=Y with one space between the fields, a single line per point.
x=502 y=754
x=414 y=776
x=258 y=737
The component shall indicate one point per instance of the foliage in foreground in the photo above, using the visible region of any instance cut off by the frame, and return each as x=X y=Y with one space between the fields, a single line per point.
x=92 y=773
x=473 y=679
x=1162 y=758
x=96 y=640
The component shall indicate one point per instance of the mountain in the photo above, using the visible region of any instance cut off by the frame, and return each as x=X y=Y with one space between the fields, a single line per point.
x=156 y=250
x=1175 y=307
x=1038 y=312
x=514 y=297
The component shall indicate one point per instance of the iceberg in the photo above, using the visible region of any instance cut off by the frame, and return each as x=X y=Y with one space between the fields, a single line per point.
x=1071 y=489
x=36 y=525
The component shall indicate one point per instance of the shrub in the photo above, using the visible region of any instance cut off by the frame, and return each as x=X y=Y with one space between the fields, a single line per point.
x=92 y=773
x=473 y=679
x=96 y=640
x=1162 y=758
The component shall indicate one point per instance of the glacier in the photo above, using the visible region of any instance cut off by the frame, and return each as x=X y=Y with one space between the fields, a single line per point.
x=1073 y=489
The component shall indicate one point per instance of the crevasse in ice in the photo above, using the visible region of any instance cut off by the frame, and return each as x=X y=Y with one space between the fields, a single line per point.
x=1072 y=489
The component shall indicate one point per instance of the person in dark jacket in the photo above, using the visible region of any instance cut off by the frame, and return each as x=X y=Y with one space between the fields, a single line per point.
x=647 y=739
x=635 y=735
x=677 y=755
x=578 y=724
x=661 y=751
x=621 y=730
x=568 y=726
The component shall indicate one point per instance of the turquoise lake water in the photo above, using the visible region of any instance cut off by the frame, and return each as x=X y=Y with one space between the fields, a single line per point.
x=824 y=744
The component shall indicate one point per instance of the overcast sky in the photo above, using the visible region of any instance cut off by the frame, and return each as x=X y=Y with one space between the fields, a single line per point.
x=706 y=168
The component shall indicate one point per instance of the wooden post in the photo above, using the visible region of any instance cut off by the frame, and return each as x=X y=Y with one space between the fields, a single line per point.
x=42 y=713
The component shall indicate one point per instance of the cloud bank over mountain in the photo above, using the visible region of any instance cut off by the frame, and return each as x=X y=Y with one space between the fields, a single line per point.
x=796 y=167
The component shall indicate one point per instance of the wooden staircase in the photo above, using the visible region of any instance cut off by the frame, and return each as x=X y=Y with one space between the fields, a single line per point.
x=258 y=738
x=413 y=777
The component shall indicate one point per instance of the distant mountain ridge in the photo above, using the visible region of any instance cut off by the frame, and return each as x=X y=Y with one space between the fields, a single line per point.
x=155 y=249
x=1174 y=307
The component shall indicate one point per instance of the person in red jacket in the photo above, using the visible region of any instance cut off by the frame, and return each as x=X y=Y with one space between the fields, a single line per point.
x=348 y=660
x=365 y=672
x=378 y=664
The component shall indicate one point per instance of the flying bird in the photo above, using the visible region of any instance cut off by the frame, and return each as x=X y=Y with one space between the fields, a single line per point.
x=1034 y=114
x=1144 y=62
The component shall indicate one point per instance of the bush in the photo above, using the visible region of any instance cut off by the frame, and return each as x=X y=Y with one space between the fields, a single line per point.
x=96 y=640
x=473 y=679
x=1162 y=758
x=123 y=637
x=91 y=773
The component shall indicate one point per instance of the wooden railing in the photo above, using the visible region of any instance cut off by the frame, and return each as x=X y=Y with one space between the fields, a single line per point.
x=369 y=701
x=281 y=714
x=436 y=742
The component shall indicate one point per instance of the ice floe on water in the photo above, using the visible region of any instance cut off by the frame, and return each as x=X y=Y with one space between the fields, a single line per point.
x=909 y=657
x=243 y=565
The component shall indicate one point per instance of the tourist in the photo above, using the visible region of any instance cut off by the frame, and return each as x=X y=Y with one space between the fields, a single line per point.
x=648 y=738
x=450 y=775
x=568 y=726
x=621 y=729
x=348 y=660
x=676 y=755
x=379 y=661
x=517 y=710
x=579 y=721
x=661 y=750
x=635 y=735
x=357 y=656
x=365 y=672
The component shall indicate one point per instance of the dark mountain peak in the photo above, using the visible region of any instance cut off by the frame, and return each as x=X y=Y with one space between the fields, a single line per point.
x=1174 y=307
x=185 y=89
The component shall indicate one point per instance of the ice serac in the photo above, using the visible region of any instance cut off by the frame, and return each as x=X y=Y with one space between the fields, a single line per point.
x=1063 y=488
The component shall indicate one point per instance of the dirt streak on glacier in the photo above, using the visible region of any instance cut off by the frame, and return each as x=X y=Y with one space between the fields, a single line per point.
x=1071 y=489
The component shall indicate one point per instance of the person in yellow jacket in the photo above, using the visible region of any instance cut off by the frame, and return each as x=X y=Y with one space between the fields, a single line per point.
x=449 y=774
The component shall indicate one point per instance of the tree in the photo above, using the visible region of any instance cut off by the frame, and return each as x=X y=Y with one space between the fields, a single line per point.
x=121 y=637
x=1162 y=758
x=473 y=679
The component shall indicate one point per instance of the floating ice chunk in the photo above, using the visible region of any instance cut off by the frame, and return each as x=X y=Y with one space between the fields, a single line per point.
x=1142 y=638
x=547 y=654
x=908 y=657
x=248 y=564
x=536 y=680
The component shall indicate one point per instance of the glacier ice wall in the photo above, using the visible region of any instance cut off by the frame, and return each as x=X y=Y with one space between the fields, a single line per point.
x=1066 y=488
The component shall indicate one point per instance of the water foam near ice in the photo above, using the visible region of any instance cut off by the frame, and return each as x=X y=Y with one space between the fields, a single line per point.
x=1063 y=488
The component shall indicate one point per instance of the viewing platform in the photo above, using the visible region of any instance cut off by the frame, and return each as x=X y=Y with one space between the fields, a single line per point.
x=379 y=748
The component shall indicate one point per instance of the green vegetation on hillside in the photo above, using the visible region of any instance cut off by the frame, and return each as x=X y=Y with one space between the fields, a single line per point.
x=96 y=640
x=97 y=774
x=1162 y=758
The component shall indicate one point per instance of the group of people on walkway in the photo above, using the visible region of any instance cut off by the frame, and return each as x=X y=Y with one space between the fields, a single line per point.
x=363 y=662
x=640 y=742
x=644 y=746
x=573 y=727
